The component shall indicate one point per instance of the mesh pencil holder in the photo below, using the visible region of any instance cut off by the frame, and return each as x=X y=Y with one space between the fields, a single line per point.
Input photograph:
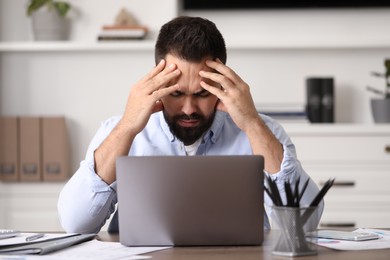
x=293 y=228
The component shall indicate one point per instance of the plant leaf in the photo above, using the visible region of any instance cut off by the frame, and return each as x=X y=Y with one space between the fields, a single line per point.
x=35 y=5
x=62 y=8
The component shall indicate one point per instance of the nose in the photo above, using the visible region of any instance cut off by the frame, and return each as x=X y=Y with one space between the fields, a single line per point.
x=189 y=105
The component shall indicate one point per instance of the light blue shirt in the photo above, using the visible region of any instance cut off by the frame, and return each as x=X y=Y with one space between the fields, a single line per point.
x=86 y=201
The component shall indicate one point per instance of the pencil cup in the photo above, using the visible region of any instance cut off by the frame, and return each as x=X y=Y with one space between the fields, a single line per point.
x=293 y=224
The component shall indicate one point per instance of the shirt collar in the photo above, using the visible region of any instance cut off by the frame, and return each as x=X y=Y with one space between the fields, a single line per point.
x=212 y=134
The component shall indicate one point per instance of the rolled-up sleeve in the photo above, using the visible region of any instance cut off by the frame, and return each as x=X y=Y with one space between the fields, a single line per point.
x=291 y=170
x=86 y=201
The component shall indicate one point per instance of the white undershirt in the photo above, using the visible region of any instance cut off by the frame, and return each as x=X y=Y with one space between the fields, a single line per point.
x=192 y=148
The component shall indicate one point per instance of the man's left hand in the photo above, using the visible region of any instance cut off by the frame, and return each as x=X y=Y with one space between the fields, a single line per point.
x=234 y=94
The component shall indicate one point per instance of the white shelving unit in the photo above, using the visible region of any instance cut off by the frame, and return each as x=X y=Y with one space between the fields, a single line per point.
x=274 y=52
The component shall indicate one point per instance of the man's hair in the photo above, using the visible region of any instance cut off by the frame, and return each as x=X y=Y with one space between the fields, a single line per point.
x=191 y=39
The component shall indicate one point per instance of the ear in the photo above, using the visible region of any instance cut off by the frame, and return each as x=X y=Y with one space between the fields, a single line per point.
x=158 y=106
x=220 y=106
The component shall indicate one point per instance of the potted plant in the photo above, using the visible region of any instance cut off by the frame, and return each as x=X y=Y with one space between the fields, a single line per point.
x=381 y=106
x=49 y=22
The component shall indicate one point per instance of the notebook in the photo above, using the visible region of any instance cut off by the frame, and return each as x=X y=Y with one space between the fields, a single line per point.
x=190 y=200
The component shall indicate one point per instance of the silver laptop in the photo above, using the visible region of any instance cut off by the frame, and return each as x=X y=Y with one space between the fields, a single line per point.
x=190 y=200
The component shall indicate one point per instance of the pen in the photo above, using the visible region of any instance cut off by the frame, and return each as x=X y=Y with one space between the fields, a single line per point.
x=318 y=199
x=34 y=237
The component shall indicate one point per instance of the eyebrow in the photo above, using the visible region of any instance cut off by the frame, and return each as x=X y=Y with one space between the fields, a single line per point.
x=200 y=92
x=195 y=93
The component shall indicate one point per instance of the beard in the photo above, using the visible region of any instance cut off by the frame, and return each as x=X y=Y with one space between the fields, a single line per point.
x=189 y=135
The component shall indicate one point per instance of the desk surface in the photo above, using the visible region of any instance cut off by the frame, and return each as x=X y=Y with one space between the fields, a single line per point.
x=252 y=252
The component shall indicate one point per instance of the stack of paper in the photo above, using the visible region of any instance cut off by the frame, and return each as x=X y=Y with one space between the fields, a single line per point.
x=93 y=249
x=382 y=243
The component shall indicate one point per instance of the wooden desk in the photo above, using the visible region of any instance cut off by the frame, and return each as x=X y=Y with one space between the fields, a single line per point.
x=252 y=252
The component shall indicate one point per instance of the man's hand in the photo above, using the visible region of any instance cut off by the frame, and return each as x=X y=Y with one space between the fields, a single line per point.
x=143 y=100
x=144 y=97
x=236 y=100
x=234 y=94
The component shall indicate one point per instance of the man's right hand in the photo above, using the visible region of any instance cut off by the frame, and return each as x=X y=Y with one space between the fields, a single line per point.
x=144 y=97
x=143 y=100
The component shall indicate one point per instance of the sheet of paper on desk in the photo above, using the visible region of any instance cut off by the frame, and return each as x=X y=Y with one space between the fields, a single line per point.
x=382 y=243
x=94 y=249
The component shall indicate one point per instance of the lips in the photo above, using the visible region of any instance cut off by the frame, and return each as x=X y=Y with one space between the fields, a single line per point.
x=188 y=123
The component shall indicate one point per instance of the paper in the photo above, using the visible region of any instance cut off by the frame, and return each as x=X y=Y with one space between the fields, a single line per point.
x=94 y=249
x=382 y=243
x=21 y=238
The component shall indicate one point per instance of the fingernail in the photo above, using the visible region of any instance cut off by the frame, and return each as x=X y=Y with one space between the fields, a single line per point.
x=171 y=66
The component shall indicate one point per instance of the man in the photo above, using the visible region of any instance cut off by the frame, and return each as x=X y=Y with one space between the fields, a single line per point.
x=191 y=103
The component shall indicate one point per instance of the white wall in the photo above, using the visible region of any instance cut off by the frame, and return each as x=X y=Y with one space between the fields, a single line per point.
x=346 y=44
x=310 y=26
x=87 y=17
x=88 y=87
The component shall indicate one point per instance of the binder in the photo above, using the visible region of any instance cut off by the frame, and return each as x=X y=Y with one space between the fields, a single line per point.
x=55 y=149
x=9 y=155
x=30 y=165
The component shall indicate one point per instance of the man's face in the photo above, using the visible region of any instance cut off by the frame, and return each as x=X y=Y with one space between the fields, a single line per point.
x=190 y=111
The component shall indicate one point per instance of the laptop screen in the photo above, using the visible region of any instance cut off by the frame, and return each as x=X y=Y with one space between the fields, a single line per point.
x=190 y=200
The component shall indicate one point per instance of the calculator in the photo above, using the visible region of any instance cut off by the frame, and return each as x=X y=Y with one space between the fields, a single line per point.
x=6 y=233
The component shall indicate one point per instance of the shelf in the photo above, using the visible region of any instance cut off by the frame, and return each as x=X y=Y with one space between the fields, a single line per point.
x=307 y=45
x=139 y=45
x=310 y=129
x=148 y=45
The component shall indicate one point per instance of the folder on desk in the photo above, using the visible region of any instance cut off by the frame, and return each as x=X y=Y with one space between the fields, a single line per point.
x=46 y=247
x=55 y=149
x=30 y=149
x=9 y=167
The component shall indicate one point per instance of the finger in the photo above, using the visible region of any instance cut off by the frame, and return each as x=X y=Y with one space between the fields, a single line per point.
x=219 y=93
x=222 y=80
x=223 y=69
x=156 y=70
x=162 y=79
x=160 y=93
x=160 y=71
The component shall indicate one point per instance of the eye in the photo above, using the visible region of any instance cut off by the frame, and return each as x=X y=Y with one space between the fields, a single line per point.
x=203 y=93
x=176 y=94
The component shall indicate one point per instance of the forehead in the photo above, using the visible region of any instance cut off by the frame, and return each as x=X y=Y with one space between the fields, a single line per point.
x=189 y=79
x=185 y=65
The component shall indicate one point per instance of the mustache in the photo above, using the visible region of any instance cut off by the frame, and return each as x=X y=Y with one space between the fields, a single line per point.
x=193 y=116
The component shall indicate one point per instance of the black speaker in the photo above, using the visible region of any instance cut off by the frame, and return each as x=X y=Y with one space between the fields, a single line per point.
x=320 y=100
x=327 y=100
x=313 y=99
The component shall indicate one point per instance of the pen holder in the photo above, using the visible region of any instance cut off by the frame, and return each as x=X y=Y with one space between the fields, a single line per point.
x=293 y=223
